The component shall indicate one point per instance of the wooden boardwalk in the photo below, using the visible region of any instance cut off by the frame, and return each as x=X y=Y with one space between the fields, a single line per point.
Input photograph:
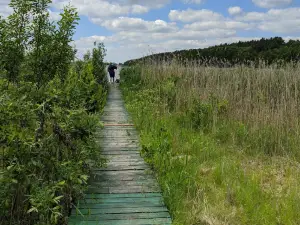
x=125 y=192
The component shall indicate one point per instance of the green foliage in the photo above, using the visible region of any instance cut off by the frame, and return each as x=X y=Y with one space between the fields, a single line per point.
x=98 y=65
x=49 y=108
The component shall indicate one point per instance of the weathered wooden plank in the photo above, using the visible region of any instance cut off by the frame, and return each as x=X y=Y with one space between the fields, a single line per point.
x=123 y=200
x=123 y=148
x=127 y=150
x=123 y=190
x=116 y=152
x=118 y=177
x=158 y=221
x=121 y=158
x=107 y=183
x=120 y=128
x=120 y=210
x=112 y=163
x=123 y=145
x=116 y=120
x=106 y=142
x=122 y=168
x=114 y=186
x=114 y=136
x=118 y=205
x=121 y=138
x=122 y=173
x=125 y=195
x=125 y=216
x=128 y=161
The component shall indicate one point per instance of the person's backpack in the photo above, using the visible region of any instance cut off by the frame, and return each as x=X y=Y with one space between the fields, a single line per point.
x=112 y=67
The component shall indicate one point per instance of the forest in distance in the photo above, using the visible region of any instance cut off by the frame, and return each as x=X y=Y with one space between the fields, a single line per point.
x=266 y=50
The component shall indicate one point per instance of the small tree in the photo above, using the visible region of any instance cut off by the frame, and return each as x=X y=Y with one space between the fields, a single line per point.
x=14 y=36
x=99 y=53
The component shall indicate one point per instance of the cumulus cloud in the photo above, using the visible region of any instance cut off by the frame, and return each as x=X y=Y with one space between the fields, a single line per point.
x=5 y=10
x=192 y=1
x=138 y=24
x=271 y=3
x=191 y=15
x=104 y=9
x=227 y=24
x=236 y=10
x=283 y=21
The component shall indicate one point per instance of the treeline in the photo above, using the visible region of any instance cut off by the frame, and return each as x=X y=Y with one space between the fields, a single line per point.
x=48 y=103
x=272 y=50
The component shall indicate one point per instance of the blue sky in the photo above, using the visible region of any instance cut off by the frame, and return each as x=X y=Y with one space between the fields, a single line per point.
x=135 y=28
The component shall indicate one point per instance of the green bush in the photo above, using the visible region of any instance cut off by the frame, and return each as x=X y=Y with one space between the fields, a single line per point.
x=49 y=107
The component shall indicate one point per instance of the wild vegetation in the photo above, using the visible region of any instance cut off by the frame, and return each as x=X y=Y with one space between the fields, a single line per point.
x=48 y=114
x=223 y=141
x=251 y=53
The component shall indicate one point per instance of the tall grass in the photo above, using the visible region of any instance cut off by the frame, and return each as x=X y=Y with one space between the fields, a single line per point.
x=265 y=100
x=224 y=141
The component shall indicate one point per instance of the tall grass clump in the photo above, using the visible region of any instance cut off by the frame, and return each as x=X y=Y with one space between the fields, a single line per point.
x=223 y=140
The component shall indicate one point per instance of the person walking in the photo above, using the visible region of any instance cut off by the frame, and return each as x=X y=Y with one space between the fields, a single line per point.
x=111 y=70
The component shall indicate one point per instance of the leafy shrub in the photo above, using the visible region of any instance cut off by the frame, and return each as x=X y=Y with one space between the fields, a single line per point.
x=48 y=107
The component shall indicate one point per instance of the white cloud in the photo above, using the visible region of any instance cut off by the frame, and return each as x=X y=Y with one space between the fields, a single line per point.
x=282 y=21
x=54 y=16
x=192 y=1
x=100 y=10
x=5 y=10
x=138 y=24
x=147 y=3
x=236 y=10
x=271 y=3
x=191 y=15
x=221 y=24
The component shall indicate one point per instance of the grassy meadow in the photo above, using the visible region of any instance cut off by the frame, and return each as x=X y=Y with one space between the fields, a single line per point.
x=223 y=141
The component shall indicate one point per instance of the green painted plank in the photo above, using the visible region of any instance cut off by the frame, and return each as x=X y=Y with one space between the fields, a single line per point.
x=125 y=216
x=129 y=177
x=110 y=183
x=116 y=205
x=120 y=210
x=123 y=190
x=158 y=221
x=126 y=195
x=123 y=200
x=112 y=186
x=121 y=178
